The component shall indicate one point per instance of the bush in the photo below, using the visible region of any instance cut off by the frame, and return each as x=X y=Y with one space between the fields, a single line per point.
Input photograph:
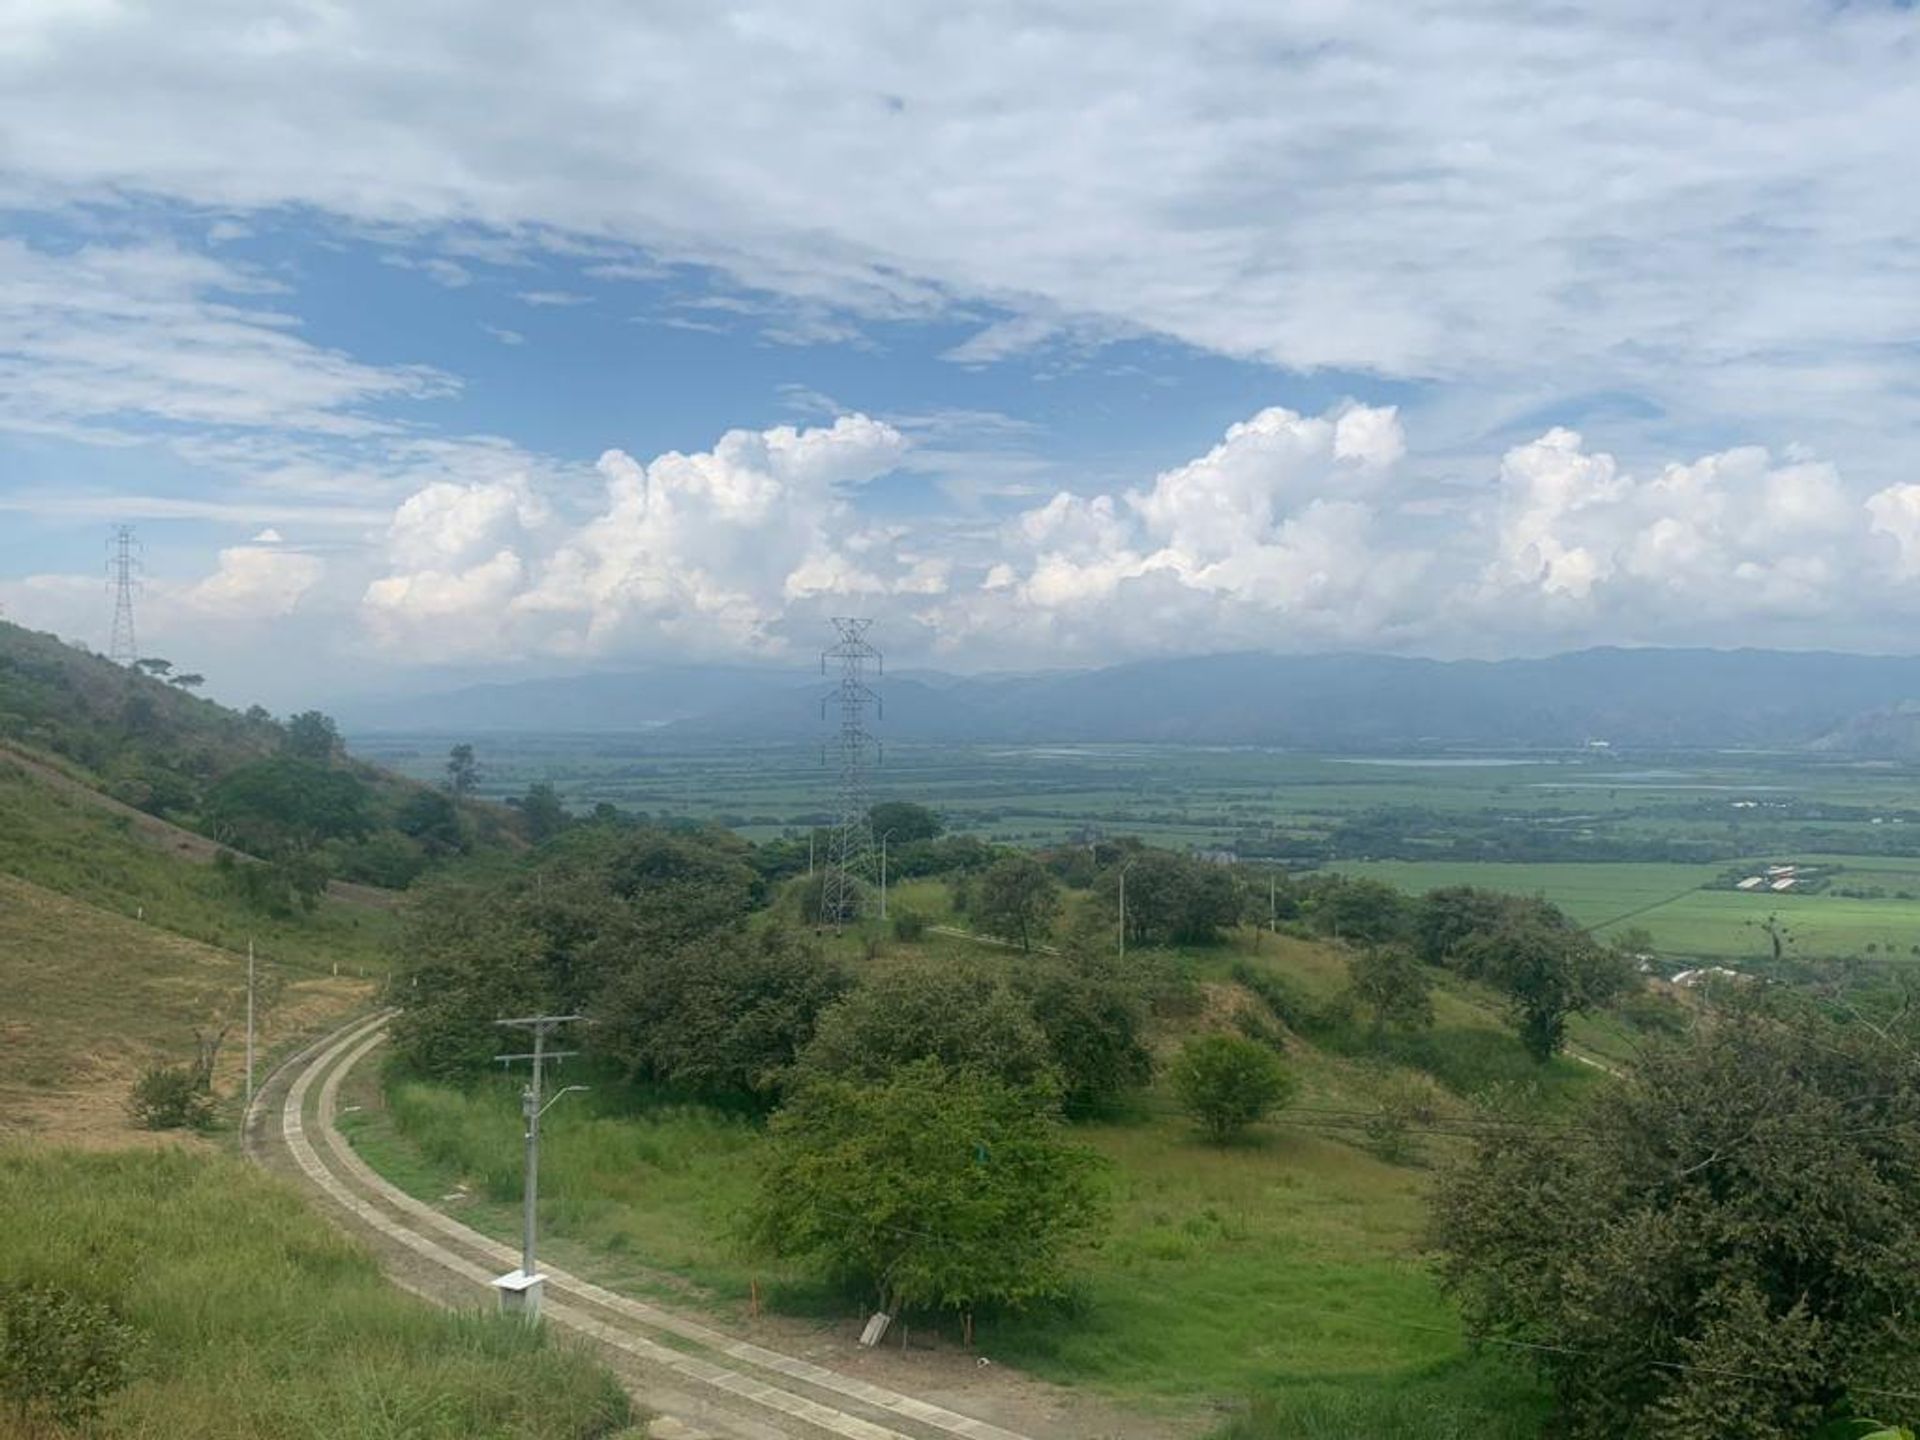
x=170 y=1097
x=61 y=1353
x=1227 y=1083
x=909 y=925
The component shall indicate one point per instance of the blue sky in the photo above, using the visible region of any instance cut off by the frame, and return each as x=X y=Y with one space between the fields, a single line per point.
x=494 y=342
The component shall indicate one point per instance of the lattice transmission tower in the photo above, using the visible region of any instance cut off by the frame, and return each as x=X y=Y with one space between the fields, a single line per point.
x=123 y=572
x=854 y=752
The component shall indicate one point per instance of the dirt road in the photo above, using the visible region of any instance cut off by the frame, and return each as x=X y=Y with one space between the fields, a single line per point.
x=695 y=1379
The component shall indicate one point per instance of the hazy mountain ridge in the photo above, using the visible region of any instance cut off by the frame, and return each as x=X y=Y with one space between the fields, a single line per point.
x=1641 y=697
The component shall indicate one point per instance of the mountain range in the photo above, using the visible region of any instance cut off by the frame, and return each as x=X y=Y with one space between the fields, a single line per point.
x=1839 y=703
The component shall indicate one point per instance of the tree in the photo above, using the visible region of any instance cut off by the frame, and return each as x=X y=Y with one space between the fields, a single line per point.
x=287 y=803
x=1367 y=911
x=1549 y=971
x=1015 y=898
x=463 y=771
x=312 y=736
x=545 y=813
x=1171 y=899
x=1396 y=987
x=728 y=1014
x=965 y=1019
x=188 y=681
x=1227 y=1083
x=431 y=818
x=154 y=665
x=1722 y=1243
x=1095 y=1021
x=931 y=1189
x=905 y=822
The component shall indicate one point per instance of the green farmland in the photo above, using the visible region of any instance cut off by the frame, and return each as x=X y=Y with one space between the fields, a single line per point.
x=1616 y=839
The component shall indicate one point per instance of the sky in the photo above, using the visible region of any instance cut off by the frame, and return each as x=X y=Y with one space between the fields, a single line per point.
x=440 y=341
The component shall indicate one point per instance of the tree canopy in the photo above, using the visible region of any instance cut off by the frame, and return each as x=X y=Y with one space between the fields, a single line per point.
x=929 y=1188
x=1724 y=1243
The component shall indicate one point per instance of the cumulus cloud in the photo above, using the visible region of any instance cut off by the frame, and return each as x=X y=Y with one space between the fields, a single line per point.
x=256 y=582
x=708 y=549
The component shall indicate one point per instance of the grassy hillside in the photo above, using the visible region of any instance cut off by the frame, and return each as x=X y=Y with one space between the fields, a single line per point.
x=246 y=1318
x=1288 y=1268
x=95 y=997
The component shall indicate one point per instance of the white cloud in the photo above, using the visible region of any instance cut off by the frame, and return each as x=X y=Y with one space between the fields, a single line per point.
x=1514 y=198
x=706 y=550
x=95 y=341
x=256 y=582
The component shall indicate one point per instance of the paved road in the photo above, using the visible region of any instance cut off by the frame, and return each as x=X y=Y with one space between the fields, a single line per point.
x=697 y=1381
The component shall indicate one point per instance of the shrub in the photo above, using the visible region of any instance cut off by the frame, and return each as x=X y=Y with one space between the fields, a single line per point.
x=966 y=1020
x=170 y=1097
x=909 y=925
x=61 y=1353
x=1227 y=1083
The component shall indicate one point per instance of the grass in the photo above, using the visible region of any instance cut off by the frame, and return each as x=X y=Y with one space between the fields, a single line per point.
x=64 y=844
x=94 y=997
x=1287 y=1267
x=255 y=1322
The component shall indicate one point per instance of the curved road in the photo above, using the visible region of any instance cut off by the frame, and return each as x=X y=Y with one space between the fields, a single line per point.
x=696 y=1381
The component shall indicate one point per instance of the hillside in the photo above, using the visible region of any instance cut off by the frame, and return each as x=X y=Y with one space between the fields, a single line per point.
x=96 y=997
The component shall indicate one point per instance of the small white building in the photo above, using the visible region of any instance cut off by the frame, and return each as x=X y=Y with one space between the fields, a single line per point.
x=1752 y=882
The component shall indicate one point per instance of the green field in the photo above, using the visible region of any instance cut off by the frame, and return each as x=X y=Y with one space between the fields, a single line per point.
x=1615 y=839
x=250 y=1320
x=1684 y=919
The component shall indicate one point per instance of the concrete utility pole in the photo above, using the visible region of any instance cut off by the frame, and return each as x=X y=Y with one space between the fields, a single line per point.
x=520 y=1289
x=1123 y=906
x=885 y=836
x=1273 y=904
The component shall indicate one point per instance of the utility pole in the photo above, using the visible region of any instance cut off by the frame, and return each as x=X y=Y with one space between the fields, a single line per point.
x=520 y=1289
x=1123 y=906
x=123 y=565
x=249 y=1019
x=885 y=836
x=1273 y=903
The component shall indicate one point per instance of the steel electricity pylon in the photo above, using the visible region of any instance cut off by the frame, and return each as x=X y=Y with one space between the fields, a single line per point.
x=852 y=753
x=123 y=571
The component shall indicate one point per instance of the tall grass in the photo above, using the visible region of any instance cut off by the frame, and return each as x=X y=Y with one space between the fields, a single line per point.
x=257 y=1321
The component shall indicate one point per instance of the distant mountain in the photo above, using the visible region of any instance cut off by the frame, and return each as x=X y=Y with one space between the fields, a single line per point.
x=615 y=702
x=1641 y=698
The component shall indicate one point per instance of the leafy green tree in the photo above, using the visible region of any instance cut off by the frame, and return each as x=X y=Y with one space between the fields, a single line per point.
x=728 y=1014
x=1095 y=1021
x=463 y=771
x=1226 y=1083
x=905 y=822
x=312 y=736
x=287 y=803
x=1171 y=899
x=61 y=1353
x=1549 y=971
x=930 y=1189
x=544 y=812
x=965 y=1019
x=188 y=681
x=1723 y=1243
x=1366 y=911
x=154 y=666
x=1016 y=899
x=429 y=817
x=1395 y=987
